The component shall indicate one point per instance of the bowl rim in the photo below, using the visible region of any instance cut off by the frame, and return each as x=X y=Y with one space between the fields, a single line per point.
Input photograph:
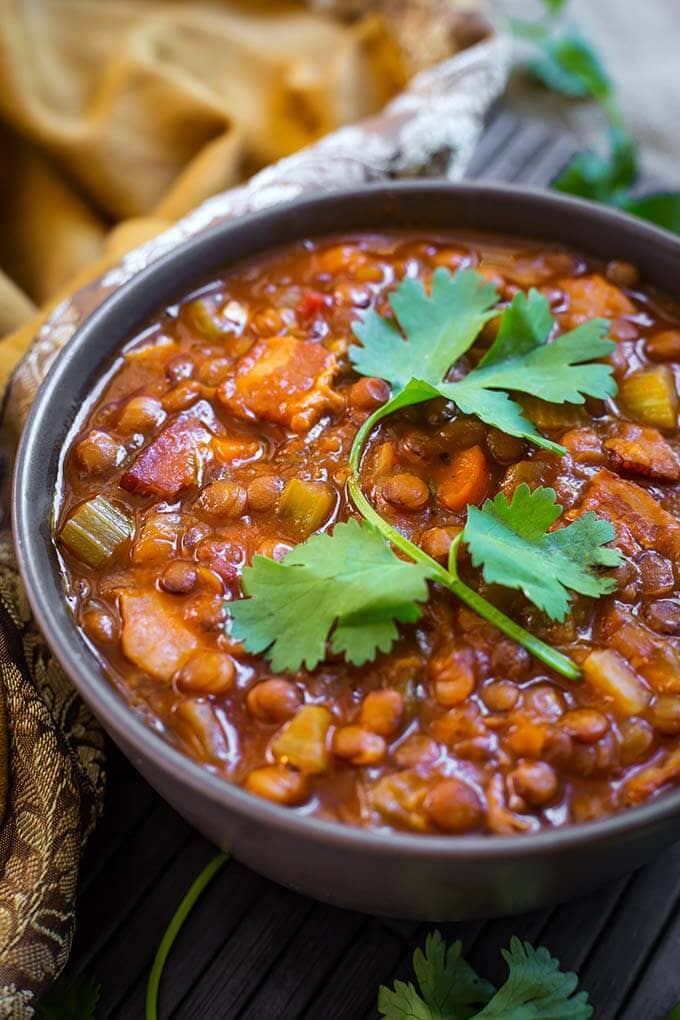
x=121 y=720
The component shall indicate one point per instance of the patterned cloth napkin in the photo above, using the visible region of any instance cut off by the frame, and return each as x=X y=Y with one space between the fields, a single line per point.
x=50 y=747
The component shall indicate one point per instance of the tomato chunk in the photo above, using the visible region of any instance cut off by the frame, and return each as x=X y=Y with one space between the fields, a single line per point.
x=282 y=380
x=593 y=295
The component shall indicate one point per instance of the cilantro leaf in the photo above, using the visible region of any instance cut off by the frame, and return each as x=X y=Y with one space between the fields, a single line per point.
x=602 y=178
x=554 y=6
x=498 y=410
x=662 y=208
x=349 y=586
x=536 y=989
x=521 y=359
x=438 y=328
x=512 y=544
x=73 y=998
x=569 y=64
x=449 y=987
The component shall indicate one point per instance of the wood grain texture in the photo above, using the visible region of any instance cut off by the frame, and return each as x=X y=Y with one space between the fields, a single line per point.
x=256 y=951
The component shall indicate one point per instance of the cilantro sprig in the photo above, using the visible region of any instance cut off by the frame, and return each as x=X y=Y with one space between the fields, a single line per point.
x=437 y=330
x=567 y=63
x=348 y=584
x=510 y=540
x=449 y=988
x=350 y=588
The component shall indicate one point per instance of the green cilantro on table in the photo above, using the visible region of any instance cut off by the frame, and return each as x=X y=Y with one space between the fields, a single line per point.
x=510 y=540
x=448 y=986
x=72 y=998
x=349 y=583
x=567 y=63
x=449 y=989
x=602 y=178
x=349 y=589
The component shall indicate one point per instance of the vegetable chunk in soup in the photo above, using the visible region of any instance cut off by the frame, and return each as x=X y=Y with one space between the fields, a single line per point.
x=384 y=528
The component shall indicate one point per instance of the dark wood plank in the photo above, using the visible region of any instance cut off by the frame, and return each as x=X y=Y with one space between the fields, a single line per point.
x=619 y=960
x=246 y=958
x=109 y=907
x=658 y=987
x=151 y=916
x=308 y=966
x=216 y=915
x=128 y=801
x=369 y=962
x=520 y=151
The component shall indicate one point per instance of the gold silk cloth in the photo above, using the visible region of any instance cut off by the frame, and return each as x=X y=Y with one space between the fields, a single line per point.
x=125 y=127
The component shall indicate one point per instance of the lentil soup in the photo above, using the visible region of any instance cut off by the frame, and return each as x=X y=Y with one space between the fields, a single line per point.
x=224 y=431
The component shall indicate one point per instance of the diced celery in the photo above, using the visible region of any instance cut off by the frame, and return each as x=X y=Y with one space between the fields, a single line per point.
x=553 y=416
x=95 y=531
x=611 y=675
x=649 y=396
x=306 y=505
x=302 y=741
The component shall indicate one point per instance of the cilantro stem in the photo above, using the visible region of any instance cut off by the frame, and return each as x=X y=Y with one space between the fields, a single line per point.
x=172 y=931
x=450 y=578
x=546 y=653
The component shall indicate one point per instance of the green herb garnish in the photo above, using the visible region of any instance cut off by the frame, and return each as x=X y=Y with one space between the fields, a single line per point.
x=449 y=989
x=68 y=998
x=349 y=583
x=567 y=63
x=351 y=587
x=512 y=544
x=520 y=359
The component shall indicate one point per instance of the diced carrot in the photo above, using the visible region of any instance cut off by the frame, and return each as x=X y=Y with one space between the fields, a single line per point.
x=593 y=295
x=236 y=449
x=664 y=346
x=465 y=481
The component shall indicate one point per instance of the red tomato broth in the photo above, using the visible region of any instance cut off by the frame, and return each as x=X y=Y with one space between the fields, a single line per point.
x=247 y=386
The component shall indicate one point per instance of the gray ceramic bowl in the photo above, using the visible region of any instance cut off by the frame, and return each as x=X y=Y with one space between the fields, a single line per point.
x=427 y=877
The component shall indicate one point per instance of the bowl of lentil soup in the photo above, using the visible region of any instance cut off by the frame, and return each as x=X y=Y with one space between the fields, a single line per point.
x=365 y=541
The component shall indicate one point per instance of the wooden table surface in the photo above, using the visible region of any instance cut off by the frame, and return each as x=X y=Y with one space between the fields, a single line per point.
x=254 y=950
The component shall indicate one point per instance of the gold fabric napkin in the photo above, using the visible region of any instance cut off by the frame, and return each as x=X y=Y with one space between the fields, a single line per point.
x=130 y=114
